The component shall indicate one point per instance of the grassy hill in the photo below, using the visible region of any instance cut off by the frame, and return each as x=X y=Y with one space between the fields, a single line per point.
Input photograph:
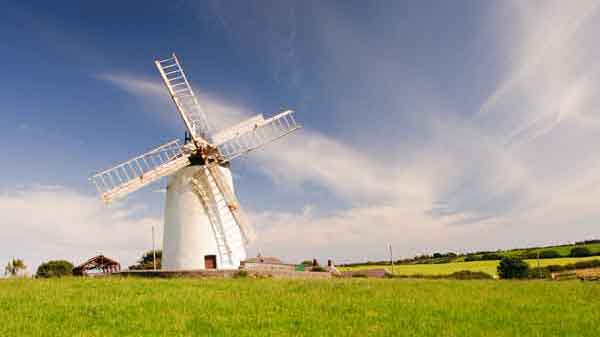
x=269 y=307
x=563 y=251
x=488 y=267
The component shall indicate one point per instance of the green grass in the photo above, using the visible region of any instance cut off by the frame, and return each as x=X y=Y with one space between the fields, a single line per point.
x=267 y=307
x=449 y=268
x=562 y=250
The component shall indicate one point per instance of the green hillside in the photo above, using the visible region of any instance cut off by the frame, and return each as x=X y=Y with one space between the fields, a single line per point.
x=488 y=267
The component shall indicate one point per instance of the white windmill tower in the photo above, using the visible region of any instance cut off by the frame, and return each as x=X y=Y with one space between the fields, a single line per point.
x=204 y=224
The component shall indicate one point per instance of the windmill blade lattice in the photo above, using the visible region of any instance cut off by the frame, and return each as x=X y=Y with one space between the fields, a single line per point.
x=184 y=98
x=263 y=132
x=207 y=198
x=232 y=204
x=140 y=171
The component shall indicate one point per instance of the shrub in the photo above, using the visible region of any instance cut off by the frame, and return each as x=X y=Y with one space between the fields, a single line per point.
x=56 y=268
x=442 y=260
x=555 y=267
x=528 y=255
x=580 y=252
x=472 y=258
x=490 y=256
x=512 y=267
x=539 y=272
x=586 y=264
x=470 y=275
x=359 y=275
x=318 y=268
x=549 y=254
x=241 y=274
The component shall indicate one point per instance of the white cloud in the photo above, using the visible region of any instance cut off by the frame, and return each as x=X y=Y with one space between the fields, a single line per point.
x=553 y=72
x=54 y=222
x=522 y=171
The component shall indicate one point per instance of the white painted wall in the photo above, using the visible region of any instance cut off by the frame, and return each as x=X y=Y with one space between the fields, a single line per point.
x=188 y=234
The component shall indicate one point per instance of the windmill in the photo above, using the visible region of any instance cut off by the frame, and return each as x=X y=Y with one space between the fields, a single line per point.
x=204 y=224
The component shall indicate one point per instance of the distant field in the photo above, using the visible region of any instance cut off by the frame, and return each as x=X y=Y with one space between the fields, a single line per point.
x=338 y=307
x=449 y=268
x=562 y=250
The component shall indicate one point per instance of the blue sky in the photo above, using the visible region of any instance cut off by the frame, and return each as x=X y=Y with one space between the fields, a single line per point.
x=432 y=125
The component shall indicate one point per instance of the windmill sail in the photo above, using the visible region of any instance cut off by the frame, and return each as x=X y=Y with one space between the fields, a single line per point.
x=140 y=171
x=216 y=223
x=254 y=133
x=184 y=98
x=232 y=203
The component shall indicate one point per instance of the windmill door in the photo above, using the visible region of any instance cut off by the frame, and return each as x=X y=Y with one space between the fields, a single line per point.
x=210 y=262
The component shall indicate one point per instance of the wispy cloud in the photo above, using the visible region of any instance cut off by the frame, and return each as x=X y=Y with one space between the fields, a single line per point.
x=553 y=74
x=56 y=222
x=524 y=165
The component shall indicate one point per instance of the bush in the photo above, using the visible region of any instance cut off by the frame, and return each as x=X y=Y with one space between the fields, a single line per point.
x=442 y=260
x=555 y=267
x=512 y=267
x=539 y=272
x=490 y=256
x=469 y=258
x=549 y=254
x=470 y=275
x=585 y=264
x=318 y=268
x=241 y=274
x=580 y=252
x=56 y=268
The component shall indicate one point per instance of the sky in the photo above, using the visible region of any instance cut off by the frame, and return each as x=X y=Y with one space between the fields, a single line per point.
x=428 y=125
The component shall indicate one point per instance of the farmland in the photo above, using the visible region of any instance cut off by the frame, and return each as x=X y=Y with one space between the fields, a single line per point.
x=488 y=267
x=270 y=307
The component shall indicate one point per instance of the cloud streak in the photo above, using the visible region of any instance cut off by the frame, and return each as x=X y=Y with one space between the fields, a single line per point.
x=56 y=222
x=519 y=168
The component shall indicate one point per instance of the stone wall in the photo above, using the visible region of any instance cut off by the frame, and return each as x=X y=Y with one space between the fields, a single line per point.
x=267 y=266
x=289 y=274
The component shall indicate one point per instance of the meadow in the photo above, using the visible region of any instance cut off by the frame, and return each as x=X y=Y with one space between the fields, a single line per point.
x=488 y=267
x=271 y=307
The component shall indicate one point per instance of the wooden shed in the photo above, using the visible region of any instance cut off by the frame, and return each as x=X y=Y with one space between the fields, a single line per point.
x=97 y=265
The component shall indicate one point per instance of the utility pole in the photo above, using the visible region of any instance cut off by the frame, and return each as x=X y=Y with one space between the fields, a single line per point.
x=391 y=257
x=153 y=249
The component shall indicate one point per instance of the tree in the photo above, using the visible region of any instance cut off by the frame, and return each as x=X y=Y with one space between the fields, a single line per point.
x=14 y=267
x=146 y=261
x=512 y=267
x=580 y=252
x=55 y=268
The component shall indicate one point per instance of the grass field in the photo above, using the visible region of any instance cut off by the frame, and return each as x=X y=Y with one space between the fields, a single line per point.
x=268 y=307
x=449 y=268
x=562 y=250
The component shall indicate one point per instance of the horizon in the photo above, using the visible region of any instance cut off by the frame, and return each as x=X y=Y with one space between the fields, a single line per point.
x=434 y=127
